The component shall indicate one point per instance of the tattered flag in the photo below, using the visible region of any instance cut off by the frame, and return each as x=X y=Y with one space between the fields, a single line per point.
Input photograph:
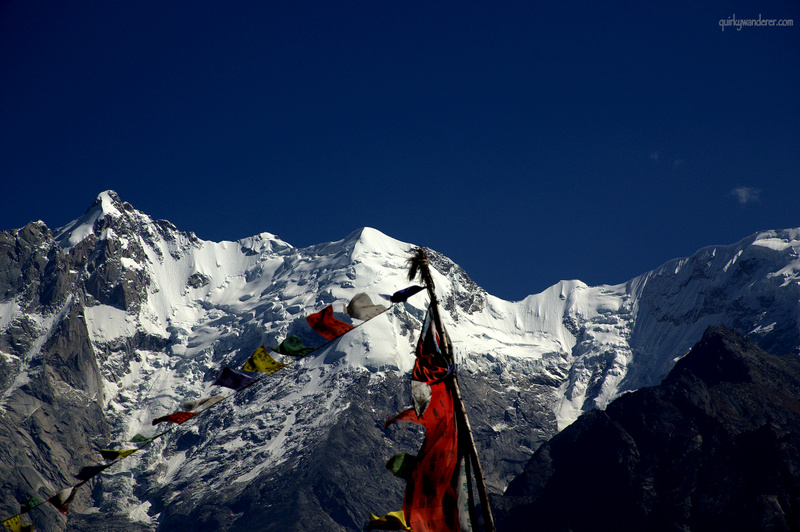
x=362 y=308
x=233 y=379
x=326 y=325
x=177 y=417
x=293 y=347
x=261 y=361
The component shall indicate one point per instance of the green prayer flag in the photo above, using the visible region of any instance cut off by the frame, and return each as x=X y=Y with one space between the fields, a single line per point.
x=402 y=465
x=261 y=361
x=293 y=347
x=140 y=439
x=28 y=505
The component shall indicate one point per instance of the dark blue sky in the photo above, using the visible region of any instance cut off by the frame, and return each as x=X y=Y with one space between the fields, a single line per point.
x=528 y=142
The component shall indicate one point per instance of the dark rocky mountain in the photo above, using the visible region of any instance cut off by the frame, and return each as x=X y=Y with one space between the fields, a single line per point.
x=716 y=446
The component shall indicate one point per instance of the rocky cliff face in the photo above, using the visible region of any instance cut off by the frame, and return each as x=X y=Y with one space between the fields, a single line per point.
x=115 y=319
x=716 y=446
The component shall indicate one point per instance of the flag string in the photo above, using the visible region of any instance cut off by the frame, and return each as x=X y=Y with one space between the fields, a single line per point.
x=89 y=472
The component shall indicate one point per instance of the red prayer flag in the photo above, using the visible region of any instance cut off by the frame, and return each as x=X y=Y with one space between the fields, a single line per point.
x=430 y=365
x=430 y=502
x=325 y=324
x=177 y=417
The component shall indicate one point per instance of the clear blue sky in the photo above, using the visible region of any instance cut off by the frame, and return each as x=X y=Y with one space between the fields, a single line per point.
x=529 y=142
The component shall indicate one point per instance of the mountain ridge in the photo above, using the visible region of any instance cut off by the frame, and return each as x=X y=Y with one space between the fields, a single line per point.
x=162 y=310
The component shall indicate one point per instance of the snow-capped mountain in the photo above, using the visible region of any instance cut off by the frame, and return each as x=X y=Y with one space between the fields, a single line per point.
x=115 y=319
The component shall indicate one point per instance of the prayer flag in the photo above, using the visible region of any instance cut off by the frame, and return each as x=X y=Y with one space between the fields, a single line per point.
x=233 y=379
x=13 y=523
x=89 y=471
x=391 y=521
x=361 y=308
x=464 y=500
x=62 y=499
x=431 y=365
x=402 y=465
x=139 y=439
x=177 y=417
x=109 y=454
x=430 y=501
x=402 y=295
x=208 y=402
x=326 y=325
x=261 y=361
x=293 y=347
x=28 y=505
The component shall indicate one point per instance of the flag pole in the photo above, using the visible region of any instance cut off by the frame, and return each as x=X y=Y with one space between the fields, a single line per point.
x=419 y=265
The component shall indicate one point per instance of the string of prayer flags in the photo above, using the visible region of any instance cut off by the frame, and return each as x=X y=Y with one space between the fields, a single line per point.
x=89 y=471
x=293 y=347
x=177 y=417
x=110 y=454
x=233 y=379
x=391 y=521
x=326 y=325
x=208 y=402
x=32 y=502
x=362 y=308
x=402 y=295
x=261 y=361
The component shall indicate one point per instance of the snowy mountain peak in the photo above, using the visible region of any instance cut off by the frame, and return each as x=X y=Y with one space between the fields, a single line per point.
x=158 y=312
x=106 y=208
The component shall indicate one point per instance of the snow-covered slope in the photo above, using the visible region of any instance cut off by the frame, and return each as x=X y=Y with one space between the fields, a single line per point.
x=164 y=311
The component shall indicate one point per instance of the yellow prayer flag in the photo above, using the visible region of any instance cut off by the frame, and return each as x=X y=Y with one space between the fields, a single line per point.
x=109 y=454
x=391 y=521
x=13 y=523
x=261 y=361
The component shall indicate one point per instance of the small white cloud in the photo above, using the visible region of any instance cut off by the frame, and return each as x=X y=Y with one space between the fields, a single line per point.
x=654 y=155
x=746 y=194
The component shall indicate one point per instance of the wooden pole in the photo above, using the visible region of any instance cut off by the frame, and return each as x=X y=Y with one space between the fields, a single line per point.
x=420 y=264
